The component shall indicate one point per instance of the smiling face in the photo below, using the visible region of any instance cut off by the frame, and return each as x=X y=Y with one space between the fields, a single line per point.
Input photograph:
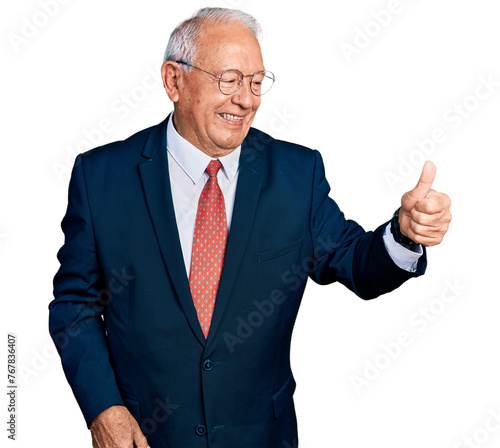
x=213 y=122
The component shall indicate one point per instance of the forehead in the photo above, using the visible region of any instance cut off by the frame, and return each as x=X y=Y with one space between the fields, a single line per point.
x=228 y=45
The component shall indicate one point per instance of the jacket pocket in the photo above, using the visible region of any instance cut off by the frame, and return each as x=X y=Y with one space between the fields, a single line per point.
x=284 y=396
x=276 y=253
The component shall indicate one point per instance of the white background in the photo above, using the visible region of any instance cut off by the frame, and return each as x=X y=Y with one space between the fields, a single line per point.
x=72 y=71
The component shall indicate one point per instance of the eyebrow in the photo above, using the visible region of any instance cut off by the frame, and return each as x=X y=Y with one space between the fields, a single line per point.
x=223 y=69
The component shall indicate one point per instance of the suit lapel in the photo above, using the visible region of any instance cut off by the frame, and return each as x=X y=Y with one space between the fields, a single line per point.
x=156 y=182
x=245 y=205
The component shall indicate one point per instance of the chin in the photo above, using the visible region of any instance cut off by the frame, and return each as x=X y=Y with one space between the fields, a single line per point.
x=231 y=143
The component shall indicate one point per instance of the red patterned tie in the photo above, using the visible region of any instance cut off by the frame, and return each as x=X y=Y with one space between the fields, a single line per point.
x=209 y=245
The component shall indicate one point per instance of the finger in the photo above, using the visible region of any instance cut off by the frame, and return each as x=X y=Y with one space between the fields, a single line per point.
x=446 y=199
x=432 y=205
x=427 y=241
x=422 y=218
x=428 y=231
x=424 y=184
x=437 y=229
x=430 y=219
x=140 y=440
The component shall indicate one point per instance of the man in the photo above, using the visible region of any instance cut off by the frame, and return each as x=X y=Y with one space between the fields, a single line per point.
x=180 y=341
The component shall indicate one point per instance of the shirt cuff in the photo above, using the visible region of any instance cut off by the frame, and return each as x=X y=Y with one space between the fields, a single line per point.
x=404 y=258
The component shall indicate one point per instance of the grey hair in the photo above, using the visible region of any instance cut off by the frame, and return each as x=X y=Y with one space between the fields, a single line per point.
x=182 y=43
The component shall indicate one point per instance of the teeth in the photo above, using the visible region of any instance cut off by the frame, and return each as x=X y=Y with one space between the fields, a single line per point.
x=231 y=117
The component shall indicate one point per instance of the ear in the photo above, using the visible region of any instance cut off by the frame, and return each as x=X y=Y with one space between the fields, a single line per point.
x=170 y=74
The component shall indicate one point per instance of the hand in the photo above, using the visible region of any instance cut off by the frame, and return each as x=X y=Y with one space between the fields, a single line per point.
x=116 y=428
x=425 y=215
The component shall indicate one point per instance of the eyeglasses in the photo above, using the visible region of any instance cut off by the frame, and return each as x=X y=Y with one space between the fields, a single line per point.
x=231 y=80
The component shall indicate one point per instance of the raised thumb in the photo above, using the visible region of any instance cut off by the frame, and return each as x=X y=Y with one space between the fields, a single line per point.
x=424 y=184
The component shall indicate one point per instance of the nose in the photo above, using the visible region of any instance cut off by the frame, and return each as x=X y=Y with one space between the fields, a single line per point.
x=244 y=96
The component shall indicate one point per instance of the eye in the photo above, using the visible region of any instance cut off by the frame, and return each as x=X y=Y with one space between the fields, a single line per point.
x=230 y=78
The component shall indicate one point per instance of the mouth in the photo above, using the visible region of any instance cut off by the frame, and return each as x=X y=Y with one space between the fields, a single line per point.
x=231 y=118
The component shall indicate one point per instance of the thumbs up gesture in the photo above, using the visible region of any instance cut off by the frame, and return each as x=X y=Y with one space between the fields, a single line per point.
x=425 y=215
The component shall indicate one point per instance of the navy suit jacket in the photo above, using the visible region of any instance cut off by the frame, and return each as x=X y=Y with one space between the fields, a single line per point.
x=123 y=319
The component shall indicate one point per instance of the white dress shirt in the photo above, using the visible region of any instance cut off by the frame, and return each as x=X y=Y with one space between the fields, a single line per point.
x=186 y=167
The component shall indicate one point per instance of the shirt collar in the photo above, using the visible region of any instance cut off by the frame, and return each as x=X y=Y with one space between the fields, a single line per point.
x=193 y=161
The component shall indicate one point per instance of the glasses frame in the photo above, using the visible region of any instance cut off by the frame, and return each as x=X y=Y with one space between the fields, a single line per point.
x=234 y=70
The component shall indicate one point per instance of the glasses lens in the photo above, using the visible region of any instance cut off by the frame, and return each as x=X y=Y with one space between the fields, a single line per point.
x=262 y=82
x=230 y=81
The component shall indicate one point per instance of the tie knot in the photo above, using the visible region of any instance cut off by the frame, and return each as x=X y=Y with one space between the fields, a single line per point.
x=213 y=168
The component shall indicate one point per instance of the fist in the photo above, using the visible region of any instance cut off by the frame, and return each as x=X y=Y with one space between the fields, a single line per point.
x=115 y=427
x=425 y=215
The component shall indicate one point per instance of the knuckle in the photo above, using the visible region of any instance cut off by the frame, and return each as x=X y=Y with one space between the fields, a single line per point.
x=416 y=228
x=415 y=214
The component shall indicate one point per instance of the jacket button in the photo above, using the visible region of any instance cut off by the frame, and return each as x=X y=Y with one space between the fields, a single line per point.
x=201 y=430
x=208 y=364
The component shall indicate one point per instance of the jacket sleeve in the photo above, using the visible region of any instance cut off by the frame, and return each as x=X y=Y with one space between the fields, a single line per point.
x=344 y=252
x=76 y=313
